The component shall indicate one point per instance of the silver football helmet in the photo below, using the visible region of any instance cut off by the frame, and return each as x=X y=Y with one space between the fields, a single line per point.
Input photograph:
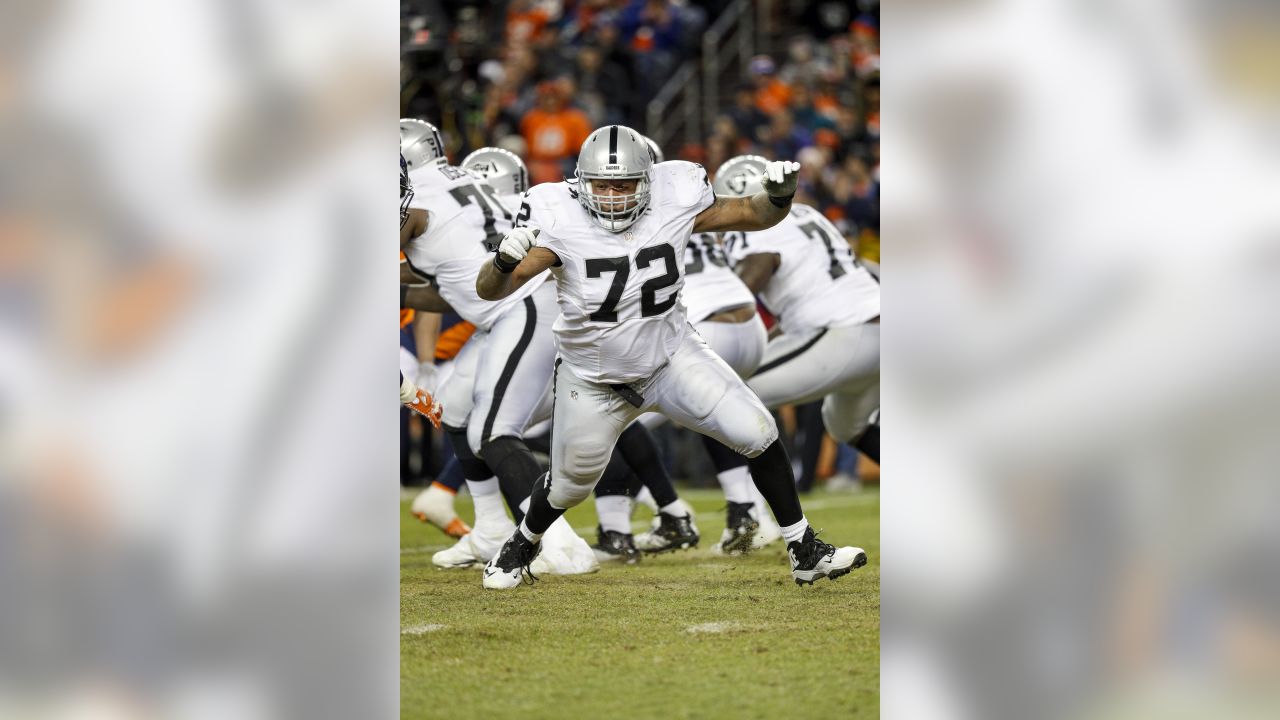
x=740 y=176
x=420 y=143
x=614 y=152
x=657 y=151
x=501 y=169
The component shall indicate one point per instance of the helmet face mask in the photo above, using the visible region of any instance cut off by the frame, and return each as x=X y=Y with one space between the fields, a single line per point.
x=421 y=143
x=614 y=153
x=740 y=176
x=501 y=169
x=406 y=191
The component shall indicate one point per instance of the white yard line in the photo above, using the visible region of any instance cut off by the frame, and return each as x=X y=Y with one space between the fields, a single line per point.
x=421 y=629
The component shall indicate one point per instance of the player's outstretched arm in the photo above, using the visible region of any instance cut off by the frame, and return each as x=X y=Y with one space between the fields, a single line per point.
x=756 y=212
x=516 y=263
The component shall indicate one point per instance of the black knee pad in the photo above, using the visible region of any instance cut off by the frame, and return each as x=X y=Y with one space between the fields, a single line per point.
x=502 y=451
x=473 y=468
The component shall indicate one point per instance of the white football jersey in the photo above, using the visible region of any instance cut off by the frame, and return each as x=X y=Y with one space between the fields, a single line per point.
x=619 y=293
x=710 y=285
x=819 y=282
x=466 y=219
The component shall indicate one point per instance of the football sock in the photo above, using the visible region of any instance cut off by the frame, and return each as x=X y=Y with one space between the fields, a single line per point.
x=541 y=512
x=645 y=498
x=679 y=508
x=737 y=485
x=614 y=512
x=771 y=471
x=868 y=443
x=485 y=498
x=640 y=451
x=515 y=467
x=795 y=532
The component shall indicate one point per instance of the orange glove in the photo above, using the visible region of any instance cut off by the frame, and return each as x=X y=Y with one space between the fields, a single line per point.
x=420 y=401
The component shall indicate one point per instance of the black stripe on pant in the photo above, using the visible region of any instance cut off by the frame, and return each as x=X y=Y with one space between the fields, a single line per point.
x=773 y=364
x=509 y=370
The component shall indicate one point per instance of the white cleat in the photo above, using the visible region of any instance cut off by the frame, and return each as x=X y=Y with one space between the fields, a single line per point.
x=435 y=505
x=564 y=553
x=478 y=546
x=812 y=559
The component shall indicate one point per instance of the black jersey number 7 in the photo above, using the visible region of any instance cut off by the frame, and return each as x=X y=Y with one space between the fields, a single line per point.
x=621 y=269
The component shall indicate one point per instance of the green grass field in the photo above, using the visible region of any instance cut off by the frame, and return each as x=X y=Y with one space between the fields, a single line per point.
x=685 y=635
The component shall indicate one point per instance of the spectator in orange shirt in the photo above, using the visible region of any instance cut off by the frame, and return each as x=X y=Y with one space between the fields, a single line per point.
x=554 y=133
x=772 y=94
x=525 y=21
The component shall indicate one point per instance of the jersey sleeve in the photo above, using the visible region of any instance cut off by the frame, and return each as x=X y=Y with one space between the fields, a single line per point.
x=537 y=211
x=685 y=184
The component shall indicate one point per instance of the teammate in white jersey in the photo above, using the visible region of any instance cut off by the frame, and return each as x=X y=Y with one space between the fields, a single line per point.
x=827 y=305
x=502 y=377
x=411 y=396
x=613 y=240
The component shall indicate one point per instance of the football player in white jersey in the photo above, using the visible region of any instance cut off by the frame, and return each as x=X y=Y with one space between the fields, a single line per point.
x=411 y=396
x=722 y=310
x=501 y=378
x=827 y=305
x=506 y=173
x=613 y=240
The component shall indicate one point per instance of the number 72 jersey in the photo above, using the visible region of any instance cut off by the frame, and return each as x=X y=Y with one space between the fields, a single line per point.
x=619 y=293
x=819 y=283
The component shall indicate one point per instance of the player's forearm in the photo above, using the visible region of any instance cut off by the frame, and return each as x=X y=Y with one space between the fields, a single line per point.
x=422 y=297
x=493 y=284
x=767 y=211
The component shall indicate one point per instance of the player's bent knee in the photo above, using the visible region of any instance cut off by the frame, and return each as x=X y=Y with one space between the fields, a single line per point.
x=843 y=426
x=565 y=493
x=751 y=430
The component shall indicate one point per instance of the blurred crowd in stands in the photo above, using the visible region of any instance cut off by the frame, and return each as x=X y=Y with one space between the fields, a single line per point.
x=536 y=76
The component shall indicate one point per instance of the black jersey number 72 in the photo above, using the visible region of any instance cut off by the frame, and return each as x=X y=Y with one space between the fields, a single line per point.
x=620 y=268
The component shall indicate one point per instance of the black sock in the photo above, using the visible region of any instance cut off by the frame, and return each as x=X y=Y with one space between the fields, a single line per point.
x=617 y=478
x=516 y=468
x=868 y=443
x=723 y=458
x=541 y=514
x=640 y=451
x=771 y=472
